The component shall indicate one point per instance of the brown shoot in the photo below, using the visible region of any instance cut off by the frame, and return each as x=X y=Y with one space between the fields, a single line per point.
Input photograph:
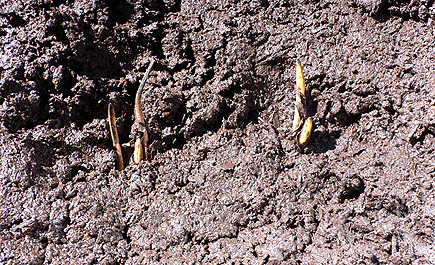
x=141 y=143
x=115 y=138
x=138 y=114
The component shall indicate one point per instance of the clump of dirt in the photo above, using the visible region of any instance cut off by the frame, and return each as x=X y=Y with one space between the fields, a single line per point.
x=226 y=183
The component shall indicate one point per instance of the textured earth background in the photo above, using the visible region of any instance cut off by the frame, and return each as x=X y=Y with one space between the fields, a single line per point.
x=226 y=184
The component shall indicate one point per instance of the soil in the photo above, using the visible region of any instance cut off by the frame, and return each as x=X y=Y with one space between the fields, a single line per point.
x=226 y=183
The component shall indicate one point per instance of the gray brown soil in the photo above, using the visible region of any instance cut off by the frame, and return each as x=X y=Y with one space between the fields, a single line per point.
x=226 y=183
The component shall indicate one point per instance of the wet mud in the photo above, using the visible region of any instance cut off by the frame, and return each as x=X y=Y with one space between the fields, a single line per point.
x=226 y=183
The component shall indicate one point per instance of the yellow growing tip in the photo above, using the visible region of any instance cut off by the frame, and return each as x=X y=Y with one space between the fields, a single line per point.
x=300 y=87
x=138 y=150
x=300 y=81
x=305 y=134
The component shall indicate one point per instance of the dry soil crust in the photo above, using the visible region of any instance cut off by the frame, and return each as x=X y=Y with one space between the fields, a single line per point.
x=226 y=184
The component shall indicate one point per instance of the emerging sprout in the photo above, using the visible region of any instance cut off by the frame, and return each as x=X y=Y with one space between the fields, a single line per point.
x=302 y=125
x=141 y=138
x=115 y=138
x=141 y=141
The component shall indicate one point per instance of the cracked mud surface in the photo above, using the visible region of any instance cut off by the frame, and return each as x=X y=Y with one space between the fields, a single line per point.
x=226 y=184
